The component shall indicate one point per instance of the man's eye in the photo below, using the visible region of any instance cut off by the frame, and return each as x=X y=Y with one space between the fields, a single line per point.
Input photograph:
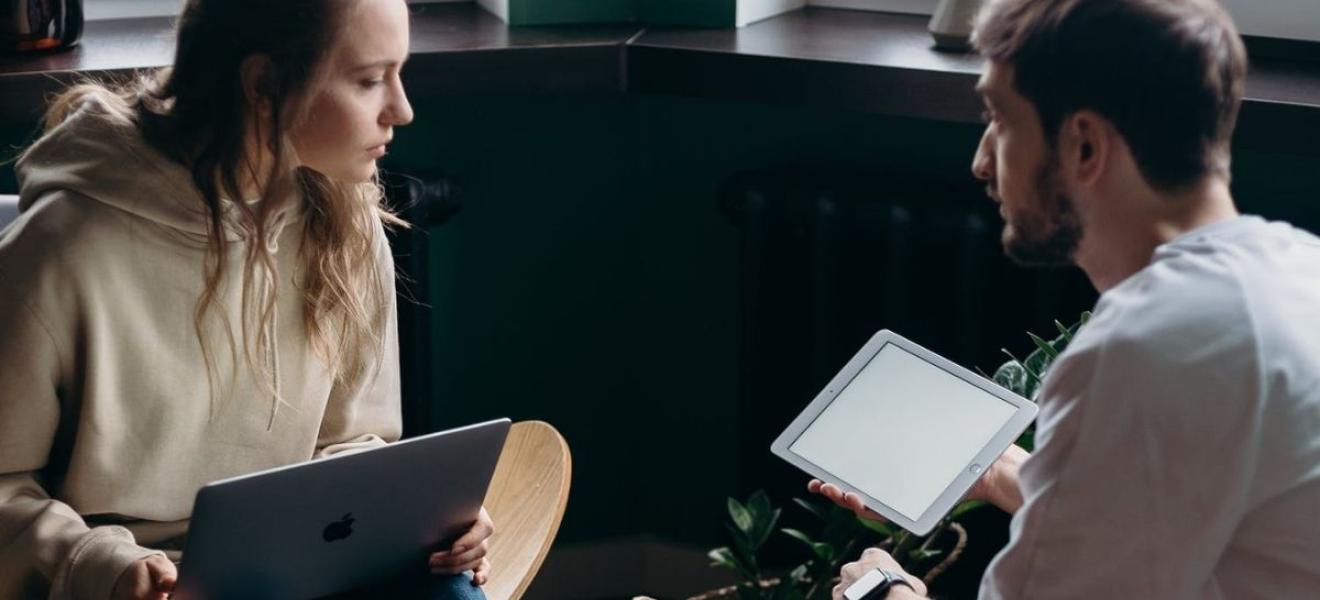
x=987 y=116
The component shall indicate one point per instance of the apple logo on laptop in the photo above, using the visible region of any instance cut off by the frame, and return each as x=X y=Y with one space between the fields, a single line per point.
x=340 y=529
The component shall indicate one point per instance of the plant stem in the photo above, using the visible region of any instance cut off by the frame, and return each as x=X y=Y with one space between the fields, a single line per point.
x=934 y=534
x=901 y=549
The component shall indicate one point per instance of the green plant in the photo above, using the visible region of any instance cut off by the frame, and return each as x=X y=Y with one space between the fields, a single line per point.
x=1023 y=377
x=839 y=537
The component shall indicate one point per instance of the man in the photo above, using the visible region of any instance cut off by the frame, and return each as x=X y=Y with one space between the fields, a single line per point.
x=1178 y=443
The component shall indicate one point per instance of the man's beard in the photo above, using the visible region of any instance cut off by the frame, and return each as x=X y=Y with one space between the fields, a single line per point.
x=1046 y=234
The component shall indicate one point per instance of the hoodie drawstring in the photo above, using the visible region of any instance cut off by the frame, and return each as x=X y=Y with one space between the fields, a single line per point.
x=268 y=333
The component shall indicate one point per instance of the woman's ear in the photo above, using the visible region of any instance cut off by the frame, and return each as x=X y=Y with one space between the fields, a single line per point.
x=256 y=75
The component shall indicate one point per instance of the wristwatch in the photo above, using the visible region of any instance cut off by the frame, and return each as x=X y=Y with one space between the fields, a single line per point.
x=874 y=585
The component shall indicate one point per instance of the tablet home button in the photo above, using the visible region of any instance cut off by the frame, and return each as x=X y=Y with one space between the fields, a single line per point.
x=975 y=468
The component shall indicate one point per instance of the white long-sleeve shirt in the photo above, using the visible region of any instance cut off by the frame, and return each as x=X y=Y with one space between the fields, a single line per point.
x=1178 y=443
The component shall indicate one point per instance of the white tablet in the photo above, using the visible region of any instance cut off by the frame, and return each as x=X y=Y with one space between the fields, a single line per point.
x=906 y=429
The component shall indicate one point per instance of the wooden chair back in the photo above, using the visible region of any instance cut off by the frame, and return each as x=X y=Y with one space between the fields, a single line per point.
x=526 y=500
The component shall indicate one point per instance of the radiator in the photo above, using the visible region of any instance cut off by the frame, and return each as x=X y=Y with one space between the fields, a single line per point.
x=424 y=200
x=829 y=258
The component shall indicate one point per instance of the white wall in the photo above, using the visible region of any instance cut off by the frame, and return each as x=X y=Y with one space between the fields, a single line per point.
x=499 y=8
x=749 y=11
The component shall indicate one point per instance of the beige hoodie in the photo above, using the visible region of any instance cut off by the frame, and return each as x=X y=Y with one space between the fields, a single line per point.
x=107 y=426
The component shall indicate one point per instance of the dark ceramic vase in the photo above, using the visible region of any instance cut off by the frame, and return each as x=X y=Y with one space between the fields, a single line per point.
x=39 y=25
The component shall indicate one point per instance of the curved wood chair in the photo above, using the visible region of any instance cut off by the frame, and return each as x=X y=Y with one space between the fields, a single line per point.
x=526 y=500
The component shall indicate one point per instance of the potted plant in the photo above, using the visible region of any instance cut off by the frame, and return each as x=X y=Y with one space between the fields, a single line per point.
x=1023 y=377
x=839 y=535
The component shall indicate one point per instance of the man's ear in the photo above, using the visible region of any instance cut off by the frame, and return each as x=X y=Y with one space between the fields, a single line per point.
x=256 y=75
x=1085 y=145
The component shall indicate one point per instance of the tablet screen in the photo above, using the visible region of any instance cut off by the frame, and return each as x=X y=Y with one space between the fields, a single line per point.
x=946 y=422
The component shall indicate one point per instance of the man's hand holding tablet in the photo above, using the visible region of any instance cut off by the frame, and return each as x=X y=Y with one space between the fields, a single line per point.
x=998 y=486
x=904 y=434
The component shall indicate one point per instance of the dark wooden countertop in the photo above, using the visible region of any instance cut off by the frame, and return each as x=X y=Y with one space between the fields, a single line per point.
x=826 y=58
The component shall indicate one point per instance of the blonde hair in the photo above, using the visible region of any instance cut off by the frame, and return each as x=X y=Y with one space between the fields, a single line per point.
x=195 y=112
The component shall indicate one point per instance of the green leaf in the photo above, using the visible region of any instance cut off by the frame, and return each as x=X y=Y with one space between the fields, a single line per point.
x=809 y=507
x=1063 y=331
x=742 y=518
x=758 y=504
x=822 y=550
x=879 y=527
x=1012 y=376
x=742 y=549
x=723 y=557
x=840 y=526
x=763 y=527
x=1028 y=439
x=919 y=555
x=965 y=508
x=798 y=535
x=1044 y=346
x=726 y=558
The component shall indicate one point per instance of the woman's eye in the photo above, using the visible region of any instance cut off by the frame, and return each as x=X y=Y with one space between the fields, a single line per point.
x=371 y=83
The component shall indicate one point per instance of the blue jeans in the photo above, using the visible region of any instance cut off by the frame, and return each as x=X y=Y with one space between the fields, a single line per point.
x=419 y=587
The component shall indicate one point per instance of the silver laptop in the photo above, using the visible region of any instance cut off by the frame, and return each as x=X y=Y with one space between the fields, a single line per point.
x=338 y=523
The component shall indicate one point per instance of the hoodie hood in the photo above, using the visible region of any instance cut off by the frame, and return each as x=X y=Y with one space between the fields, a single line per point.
x=98 y=152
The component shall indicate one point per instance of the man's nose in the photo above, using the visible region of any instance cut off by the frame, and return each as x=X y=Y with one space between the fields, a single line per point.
x=983 y=167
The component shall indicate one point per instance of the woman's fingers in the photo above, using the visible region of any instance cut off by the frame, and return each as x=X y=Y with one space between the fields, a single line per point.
x=163 y=574
x=481 y=574
x=480 y=531
x=457 y=561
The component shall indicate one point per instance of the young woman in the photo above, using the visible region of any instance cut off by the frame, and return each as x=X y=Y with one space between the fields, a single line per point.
x=198 y=287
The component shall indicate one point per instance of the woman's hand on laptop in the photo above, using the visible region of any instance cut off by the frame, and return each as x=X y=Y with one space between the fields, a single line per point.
x=150 y=578
x=468 y=552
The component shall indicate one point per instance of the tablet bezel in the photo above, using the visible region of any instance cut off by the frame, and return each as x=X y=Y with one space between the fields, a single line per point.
x=1024 y=412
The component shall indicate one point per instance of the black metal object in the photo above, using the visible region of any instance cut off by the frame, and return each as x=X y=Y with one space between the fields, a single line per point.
x=27 y=26
x=424 y=201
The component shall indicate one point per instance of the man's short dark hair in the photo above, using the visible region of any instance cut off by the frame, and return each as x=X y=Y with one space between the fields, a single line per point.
x=1167 y=73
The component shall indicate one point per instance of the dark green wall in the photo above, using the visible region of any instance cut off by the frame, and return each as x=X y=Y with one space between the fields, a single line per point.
x=536 y=12
x=590 y=281
x=698 y=13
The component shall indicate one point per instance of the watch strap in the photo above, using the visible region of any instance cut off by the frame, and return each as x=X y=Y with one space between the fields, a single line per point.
x=875 y=585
